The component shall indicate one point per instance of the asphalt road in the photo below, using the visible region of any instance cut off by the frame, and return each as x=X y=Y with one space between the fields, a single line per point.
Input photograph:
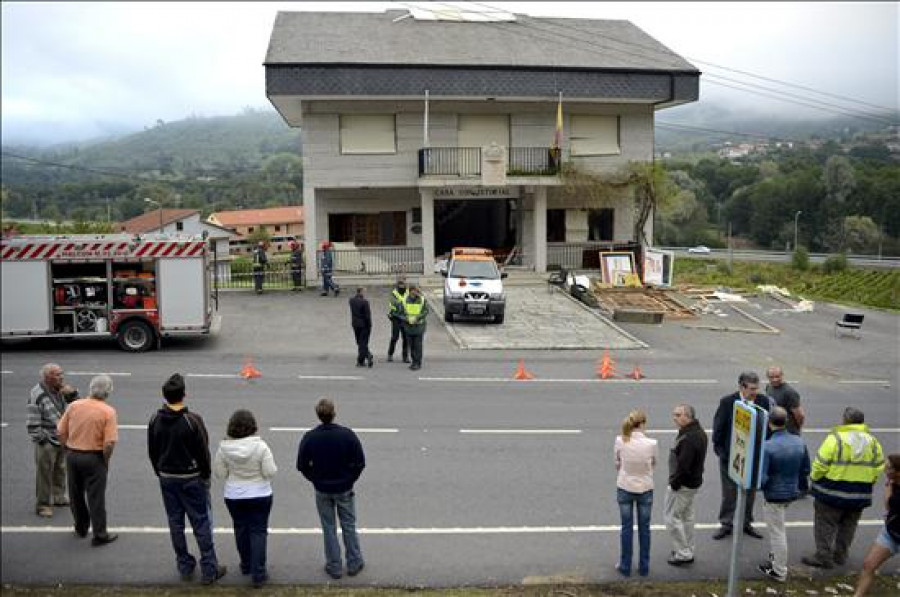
x=472 y=478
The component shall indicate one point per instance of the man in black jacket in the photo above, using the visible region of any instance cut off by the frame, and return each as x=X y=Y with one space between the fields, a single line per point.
x=361 y=320
x=748 y=391
x=685 y=477
x=331 y=457
x=178 y=446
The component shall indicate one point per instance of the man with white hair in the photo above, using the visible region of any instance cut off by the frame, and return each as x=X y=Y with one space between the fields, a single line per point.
x=89 y=431
x=46 y=406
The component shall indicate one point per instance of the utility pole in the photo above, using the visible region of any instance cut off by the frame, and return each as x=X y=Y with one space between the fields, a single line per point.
x=730 y=250
x=108 y=212
x=796 y=218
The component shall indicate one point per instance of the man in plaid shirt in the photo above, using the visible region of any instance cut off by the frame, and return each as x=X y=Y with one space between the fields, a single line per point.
x=46 y=406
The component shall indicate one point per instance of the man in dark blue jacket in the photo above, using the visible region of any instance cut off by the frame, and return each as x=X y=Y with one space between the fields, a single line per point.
x=748 y=391
x=331 y=457
x=785 y=473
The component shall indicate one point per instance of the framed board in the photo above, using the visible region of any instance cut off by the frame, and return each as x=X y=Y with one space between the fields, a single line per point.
x=615 y=265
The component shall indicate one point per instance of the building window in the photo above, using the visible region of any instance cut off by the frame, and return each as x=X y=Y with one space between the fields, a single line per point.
x=480 y=130
x=417 y=215
x=556 y=225
x=594 y=135
x=368 y=133
x=369 y=230
x=179 y=226
x=600 y=224
x=250 y=230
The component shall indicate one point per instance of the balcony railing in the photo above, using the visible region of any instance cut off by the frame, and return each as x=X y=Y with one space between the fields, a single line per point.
x=466 y=161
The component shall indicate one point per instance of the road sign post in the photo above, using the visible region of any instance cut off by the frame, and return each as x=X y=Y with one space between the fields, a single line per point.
x=744 y=465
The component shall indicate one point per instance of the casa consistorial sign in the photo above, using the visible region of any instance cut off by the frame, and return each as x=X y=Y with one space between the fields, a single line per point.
x=476 y=192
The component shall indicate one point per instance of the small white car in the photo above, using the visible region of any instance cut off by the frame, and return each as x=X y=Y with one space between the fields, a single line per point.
x=473 y=285
x=699 y=250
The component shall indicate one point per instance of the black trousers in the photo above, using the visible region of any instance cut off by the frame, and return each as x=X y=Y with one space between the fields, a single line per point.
x=397 y=332
x=258 y=279
x=729 y=499
x=297 y=277
x=251 y=529
x=362 y=343
x=416 y=347
x=87 y=478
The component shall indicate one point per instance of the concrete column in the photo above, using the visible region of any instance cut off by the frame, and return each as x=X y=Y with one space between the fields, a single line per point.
x=427 y=196
x=309 y=232
x=540 y=229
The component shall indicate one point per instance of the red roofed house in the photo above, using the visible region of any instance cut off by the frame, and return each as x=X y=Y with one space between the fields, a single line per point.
x=180 y=221
x=282 y=224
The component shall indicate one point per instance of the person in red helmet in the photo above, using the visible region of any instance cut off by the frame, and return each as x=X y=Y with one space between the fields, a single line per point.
x=326 y=267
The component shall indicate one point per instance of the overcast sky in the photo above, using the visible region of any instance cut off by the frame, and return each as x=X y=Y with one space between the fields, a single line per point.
x=72 y=71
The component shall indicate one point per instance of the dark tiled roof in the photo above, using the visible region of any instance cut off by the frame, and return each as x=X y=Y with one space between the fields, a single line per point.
x=150 y=221
x=332 y=38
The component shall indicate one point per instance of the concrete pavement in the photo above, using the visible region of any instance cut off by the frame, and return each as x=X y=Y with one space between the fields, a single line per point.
x=472 y=478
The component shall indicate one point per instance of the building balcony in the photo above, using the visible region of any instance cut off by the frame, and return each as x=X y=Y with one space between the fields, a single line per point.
x=465 y=162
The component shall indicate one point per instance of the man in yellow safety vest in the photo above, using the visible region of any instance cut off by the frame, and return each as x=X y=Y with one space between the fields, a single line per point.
x=847 y=466
x=395 y=314
x=415 y=314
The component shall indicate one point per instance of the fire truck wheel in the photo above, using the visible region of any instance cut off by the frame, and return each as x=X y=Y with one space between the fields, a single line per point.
x=135 y=336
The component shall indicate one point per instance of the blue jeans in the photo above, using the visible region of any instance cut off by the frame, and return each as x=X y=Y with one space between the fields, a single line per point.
x=644 y=503
x=344 y=504
x=190 y=497
x=251 y=528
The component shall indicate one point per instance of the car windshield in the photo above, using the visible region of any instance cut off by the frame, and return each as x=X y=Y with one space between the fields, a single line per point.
x=484 y=270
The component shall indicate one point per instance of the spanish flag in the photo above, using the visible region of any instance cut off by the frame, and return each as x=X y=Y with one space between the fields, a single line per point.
x=556 y=148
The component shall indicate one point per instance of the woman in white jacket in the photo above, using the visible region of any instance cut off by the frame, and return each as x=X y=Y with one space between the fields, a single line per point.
x=248 y=467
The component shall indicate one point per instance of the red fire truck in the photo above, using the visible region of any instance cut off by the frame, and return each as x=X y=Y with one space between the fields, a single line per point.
x=133 y=289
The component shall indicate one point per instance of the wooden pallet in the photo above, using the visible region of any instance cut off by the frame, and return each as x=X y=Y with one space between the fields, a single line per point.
x=642 y=299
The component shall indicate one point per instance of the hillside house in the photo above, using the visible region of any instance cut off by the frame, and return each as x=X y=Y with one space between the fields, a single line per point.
x=282 y=224
x=436 y=133
x=180 y=221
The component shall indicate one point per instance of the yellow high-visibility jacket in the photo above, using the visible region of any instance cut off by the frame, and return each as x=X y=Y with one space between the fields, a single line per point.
x=848 y=464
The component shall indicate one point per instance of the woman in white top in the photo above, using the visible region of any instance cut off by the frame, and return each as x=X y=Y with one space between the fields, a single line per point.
x=635 y=459
x=247 y=465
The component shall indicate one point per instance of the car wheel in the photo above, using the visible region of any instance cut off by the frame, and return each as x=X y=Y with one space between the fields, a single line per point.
x=498 y=318
x=135 y=336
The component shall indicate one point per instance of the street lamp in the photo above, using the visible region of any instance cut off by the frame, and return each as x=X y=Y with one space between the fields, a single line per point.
x=159 y=205
x=796 y=217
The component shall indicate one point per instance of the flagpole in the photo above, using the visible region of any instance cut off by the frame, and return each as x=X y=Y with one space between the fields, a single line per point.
x=425 y=125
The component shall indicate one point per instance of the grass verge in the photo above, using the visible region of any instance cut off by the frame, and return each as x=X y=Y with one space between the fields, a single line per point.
x=884 y=586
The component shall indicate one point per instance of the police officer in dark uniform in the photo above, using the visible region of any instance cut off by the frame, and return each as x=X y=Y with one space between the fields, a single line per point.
x=296 y=266
x=361 y=319
x=260 y=261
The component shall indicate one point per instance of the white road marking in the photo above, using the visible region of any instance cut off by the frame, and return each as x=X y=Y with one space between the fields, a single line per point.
x=521 y=431
x=5 y=372
x=356 y=429
x=110 y=373
x=332 y=377
x=805 y=430
x=227 y=375
x=123 y=426
x=880 y=382
x=4 y=424
x=520 y=530
x=585 y=380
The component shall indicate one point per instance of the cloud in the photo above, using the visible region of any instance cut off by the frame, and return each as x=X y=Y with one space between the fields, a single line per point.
x=94 y=66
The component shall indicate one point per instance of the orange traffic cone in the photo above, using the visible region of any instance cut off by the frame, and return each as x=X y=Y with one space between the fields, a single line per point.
x=249 y=371
x=522 y=373
x=636 y=373
x=606 y=368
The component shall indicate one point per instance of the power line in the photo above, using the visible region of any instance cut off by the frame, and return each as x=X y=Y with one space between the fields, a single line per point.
x=532 y=24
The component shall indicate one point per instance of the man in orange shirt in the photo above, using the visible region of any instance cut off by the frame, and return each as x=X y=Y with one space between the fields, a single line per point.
x=89 y=431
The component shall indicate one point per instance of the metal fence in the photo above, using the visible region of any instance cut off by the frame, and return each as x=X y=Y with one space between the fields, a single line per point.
x=583 y=255
x=466 y=161
x=378 y=261
x=239 y=274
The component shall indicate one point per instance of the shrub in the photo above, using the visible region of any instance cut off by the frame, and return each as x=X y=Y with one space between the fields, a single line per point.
x=724 y=268
x=835 y=263
x=800 y=259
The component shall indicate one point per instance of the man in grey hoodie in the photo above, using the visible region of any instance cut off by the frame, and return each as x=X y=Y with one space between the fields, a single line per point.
x=178 y=445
